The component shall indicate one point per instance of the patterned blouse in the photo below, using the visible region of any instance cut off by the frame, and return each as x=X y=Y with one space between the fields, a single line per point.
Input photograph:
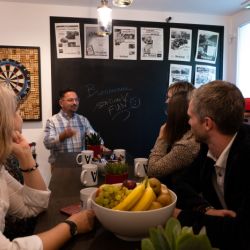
x=181 y=155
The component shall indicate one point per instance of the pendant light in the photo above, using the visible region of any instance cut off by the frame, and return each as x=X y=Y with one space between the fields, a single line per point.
x=122 y=3
x=104 y=19
x=246 y=4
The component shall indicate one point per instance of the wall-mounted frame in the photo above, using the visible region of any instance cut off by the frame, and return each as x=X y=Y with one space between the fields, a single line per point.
x=20 y=70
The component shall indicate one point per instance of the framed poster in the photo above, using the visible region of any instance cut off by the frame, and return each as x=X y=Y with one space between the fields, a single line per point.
x=117 y=92
x=20 y=70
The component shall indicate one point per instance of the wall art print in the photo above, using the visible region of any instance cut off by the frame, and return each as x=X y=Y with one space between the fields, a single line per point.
x=20 y=70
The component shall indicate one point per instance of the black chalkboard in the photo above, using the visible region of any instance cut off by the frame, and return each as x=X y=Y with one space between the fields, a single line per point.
x=124 y=100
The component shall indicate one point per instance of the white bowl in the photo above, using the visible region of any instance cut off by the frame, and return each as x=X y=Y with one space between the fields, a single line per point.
x=132 y=226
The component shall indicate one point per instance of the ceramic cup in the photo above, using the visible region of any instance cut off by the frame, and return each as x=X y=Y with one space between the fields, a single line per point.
x=141 y=167
x=89 y=175
x=85 y=157
x=85 y=194
x=120 y=155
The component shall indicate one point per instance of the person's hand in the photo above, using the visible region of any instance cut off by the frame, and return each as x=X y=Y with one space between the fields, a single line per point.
x=221 y=212
x=20 y=146
x=84 y=220
x=176 y=212
x=21 y=150
x=67 y=133
x=163 y=131
x=105 y=149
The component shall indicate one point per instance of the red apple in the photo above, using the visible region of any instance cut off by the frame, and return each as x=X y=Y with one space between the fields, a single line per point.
x=129 y=184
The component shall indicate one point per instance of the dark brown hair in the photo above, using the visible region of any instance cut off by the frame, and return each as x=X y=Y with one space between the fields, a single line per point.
x=64 y=91
x=177 y=123
x=181 y=86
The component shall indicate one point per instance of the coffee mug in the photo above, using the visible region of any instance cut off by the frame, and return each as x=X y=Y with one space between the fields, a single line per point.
x=89 y=175
x=120 y=155
x=85 y=157
x=85 y=195
x=141 y=167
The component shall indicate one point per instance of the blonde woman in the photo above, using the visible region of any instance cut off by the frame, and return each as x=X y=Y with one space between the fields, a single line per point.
x=31 y=198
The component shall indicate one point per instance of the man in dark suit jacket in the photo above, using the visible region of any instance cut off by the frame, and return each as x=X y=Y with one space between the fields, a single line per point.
x=215 y=191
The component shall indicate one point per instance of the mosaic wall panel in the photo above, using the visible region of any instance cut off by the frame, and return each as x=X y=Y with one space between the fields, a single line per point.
x=20 y=70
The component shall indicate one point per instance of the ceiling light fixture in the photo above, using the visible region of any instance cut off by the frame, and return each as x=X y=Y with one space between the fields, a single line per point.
x=104 y=19
x=246 y=4
x=122 y=3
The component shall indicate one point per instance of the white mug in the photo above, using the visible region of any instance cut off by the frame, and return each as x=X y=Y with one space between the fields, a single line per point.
x=89 y=175
x=120 y=155
x=85 y=195
x=141 y=167
x=86 y=157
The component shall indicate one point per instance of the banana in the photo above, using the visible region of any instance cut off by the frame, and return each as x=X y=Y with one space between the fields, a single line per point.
x=146 y=200
x=132 y=198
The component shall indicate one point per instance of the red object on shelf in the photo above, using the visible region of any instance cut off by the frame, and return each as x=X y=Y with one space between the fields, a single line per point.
x=96 y=148
x=247 y=104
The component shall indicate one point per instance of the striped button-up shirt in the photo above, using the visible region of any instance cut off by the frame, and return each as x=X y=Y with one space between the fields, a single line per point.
x=57 y=124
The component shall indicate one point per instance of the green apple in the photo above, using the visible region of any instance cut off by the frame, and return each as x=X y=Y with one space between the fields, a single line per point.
x=155 y=185
x=164 y=199
x=155 y=205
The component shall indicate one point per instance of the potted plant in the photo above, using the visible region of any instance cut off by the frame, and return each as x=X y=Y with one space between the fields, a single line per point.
x=93 y=142
x=175 y=237
x=116 y=172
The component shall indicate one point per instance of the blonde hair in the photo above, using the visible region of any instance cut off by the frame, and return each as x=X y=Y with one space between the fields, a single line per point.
x=8 y=104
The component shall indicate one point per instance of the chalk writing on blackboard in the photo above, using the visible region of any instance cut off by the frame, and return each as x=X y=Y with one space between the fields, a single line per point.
x=117 y=102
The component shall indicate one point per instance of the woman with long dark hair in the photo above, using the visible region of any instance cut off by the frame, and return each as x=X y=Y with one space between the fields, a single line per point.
x=175 y=147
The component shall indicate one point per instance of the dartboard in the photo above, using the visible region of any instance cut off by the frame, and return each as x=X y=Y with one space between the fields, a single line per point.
x=16 y=76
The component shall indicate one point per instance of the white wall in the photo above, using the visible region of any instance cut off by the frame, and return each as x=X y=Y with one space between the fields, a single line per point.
x=28 y=25
x=237 y=20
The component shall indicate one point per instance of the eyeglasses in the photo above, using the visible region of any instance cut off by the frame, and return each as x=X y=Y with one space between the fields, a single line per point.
x=72 y=100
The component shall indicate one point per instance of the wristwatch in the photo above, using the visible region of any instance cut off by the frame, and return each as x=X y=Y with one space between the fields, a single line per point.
x=72 y=227
x=204 y=209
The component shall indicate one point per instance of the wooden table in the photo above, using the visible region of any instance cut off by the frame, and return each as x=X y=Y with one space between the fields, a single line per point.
x=65 y=186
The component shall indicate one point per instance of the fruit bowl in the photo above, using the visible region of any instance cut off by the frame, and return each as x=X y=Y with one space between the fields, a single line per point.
x=130 y=225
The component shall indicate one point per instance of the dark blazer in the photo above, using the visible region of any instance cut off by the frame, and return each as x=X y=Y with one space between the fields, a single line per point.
x=195 y=190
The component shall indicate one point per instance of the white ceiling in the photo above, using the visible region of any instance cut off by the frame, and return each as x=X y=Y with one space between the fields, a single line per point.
x=214 y=7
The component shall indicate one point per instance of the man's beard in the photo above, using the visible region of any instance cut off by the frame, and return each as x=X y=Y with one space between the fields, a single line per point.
x=200 y=138
x=74 y=108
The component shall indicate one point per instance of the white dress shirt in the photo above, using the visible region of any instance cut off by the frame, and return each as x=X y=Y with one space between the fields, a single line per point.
x=220 y=170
